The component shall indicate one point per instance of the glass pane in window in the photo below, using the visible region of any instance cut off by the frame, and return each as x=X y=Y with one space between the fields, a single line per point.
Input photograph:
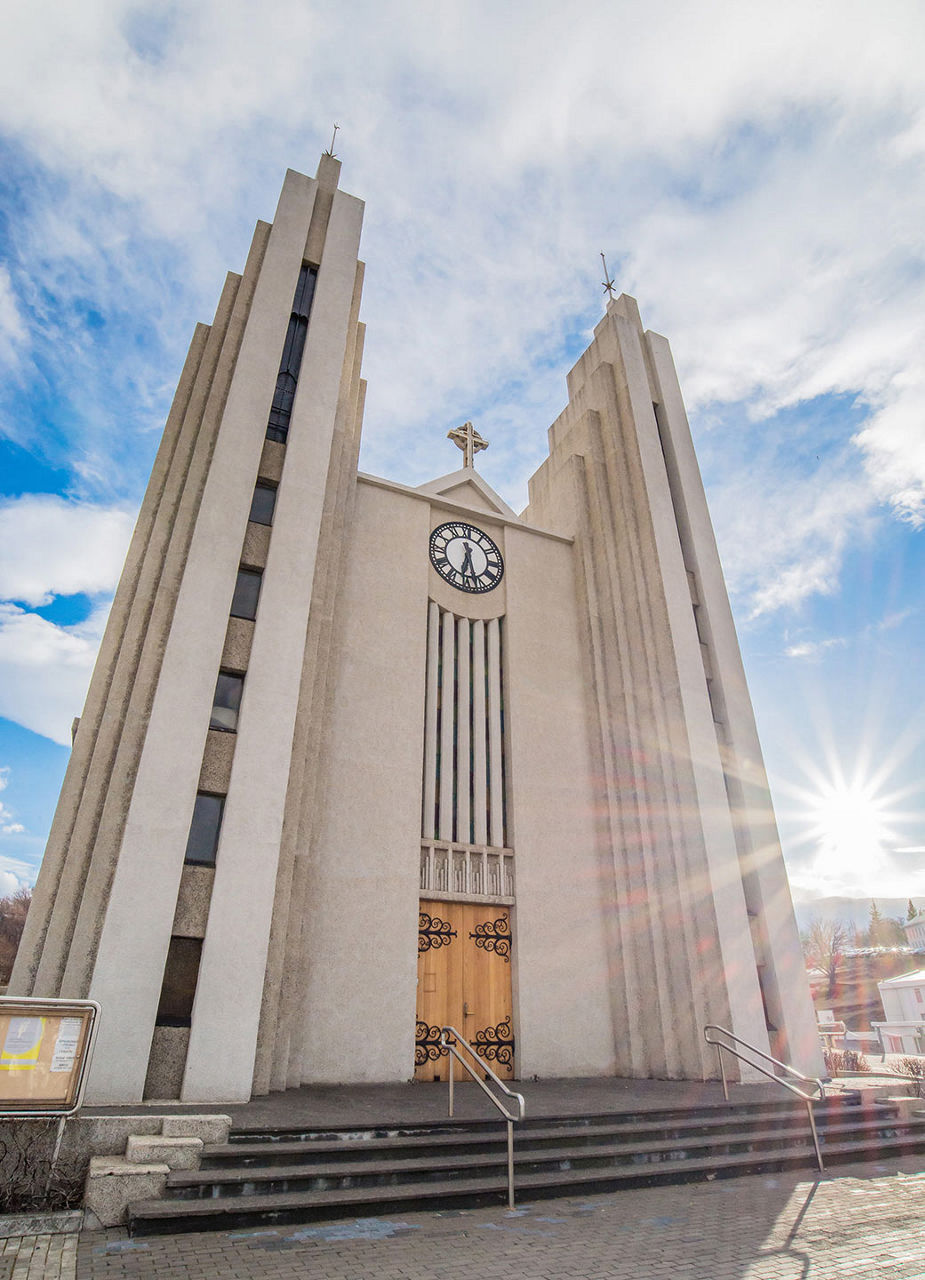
x=226 y=702
x=262 y=504
x=291 y=362
x=203 y=833
x=181 y=973
x=246 y=591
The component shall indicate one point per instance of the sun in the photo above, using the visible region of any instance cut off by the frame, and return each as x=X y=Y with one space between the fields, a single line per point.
x=849 y=826
x=851 y=823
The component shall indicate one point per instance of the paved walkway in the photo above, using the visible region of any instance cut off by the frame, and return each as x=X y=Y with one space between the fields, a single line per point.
x=317 y=1106
x=867 y=1221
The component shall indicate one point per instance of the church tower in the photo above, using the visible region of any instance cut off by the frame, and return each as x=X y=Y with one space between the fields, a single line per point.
x=360 y=760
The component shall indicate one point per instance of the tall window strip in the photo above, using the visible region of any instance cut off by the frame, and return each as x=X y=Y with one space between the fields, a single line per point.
x=288 y=376
x=464 y=767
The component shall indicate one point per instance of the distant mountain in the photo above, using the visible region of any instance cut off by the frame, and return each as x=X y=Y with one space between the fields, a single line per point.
x=854 y=911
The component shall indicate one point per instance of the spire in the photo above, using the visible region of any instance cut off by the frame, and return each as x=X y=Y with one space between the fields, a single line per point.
x=607 y=282
x=328 y=174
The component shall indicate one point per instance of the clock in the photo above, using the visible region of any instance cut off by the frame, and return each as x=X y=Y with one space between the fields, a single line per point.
x=465 y=557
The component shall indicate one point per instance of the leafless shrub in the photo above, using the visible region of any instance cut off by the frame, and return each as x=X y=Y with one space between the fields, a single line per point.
x=845 y=1060
x=28 y=1183
x=915 y=1069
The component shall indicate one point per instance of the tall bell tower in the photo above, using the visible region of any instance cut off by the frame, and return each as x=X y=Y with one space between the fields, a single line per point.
x=215 y=652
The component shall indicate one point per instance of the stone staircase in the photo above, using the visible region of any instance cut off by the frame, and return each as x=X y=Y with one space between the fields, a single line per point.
x=152 y=1145
x=283 y=1176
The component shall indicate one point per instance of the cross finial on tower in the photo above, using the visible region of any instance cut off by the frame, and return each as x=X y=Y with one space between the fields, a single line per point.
x=608 y=280
x=468 y=439
x=330 y=150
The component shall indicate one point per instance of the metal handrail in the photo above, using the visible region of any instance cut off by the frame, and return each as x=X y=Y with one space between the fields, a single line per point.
x=484 y=1067
x=808 y=1098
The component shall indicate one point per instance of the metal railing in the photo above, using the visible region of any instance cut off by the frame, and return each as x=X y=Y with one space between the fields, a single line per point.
x=483 y=1067
x=735 y=1044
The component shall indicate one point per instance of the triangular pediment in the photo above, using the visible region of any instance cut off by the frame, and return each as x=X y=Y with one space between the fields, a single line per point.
x=467 y=487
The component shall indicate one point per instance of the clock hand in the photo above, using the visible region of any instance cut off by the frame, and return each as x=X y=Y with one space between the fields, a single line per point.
x=467 y=561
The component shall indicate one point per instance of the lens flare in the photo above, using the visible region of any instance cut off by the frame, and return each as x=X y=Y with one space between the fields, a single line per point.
x=849 y=831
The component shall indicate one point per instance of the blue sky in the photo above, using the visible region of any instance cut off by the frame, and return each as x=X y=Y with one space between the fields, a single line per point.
x=755 y=176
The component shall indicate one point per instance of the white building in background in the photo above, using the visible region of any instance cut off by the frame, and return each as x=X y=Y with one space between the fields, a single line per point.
x=360 y=759
x=915 y=932
x=903 y=1000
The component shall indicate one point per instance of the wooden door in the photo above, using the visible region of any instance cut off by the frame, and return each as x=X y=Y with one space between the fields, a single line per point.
x=464 y=981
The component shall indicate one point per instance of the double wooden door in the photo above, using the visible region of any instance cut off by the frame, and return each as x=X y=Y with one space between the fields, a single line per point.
x=464 y=981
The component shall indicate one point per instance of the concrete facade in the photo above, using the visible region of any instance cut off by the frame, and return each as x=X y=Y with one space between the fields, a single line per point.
x=583 y=730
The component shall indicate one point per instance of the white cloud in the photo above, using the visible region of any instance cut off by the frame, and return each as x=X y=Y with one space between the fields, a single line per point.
x=22 y=871
x=814 y=648
x=51 y=547
x=893 y=443
x=715 y=154
x=45 y=669
x=12 y=329
x=8 y=825
x=782 y=528
x=9 y=884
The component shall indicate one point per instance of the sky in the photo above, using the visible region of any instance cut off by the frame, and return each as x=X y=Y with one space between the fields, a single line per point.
x=754 y=174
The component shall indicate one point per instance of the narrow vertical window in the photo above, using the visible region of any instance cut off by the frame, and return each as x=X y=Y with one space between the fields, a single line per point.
x=202 y=841
x=263 y=503
x=246 y=593
x=288 y=376
x=181 y=973
x=226 y=702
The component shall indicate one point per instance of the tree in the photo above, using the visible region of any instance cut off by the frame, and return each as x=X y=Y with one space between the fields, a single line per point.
x=875 y=930
x=823 y=944
x=911 y=910
x=893 y=932
x=12 y=918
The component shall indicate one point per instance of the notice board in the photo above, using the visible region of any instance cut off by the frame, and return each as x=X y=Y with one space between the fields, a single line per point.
x=45 y=1050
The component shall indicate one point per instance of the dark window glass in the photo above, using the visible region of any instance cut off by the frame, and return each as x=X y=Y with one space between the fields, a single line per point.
x=246 y=591
x=203 y=833
x=262 y=504
x=181 y=973
x=288 y=376
x=226 y=702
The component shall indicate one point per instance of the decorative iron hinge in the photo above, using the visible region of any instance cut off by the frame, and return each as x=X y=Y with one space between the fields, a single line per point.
x=433 y=932
x=496 y=1044
x=494 y=935
x=427 y=1047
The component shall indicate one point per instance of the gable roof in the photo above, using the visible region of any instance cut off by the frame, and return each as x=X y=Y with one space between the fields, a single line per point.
x=468 y=487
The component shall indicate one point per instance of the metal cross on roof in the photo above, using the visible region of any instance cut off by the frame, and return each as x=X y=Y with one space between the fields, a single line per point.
x=468 y=439
x=608 y=280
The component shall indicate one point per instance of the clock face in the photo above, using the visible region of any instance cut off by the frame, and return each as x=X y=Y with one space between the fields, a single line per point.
x=465 y=557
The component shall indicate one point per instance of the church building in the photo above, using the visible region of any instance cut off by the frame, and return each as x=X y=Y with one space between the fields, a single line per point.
x=361 y=760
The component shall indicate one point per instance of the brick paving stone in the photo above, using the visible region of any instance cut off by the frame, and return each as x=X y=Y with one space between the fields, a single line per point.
x=861 y=1222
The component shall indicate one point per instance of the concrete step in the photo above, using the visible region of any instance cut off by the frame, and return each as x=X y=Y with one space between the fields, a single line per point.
x=302 y=1175
x=114 y=1183
x=631 y=1120
x=390 y=1169
x=175 y=1153
x=356 y=1146
x=226 y=1212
